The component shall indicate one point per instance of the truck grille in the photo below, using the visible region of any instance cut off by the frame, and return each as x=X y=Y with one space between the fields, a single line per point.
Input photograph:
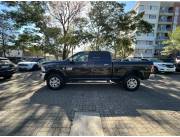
x=23 y=65
x=170 y=66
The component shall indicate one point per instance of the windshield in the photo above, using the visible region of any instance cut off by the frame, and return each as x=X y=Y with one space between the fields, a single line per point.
x=156 y=60
x=5 y=61
x=32 y=59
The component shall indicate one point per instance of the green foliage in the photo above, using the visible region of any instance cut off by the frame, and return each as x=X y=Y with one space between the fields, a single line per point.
x=7 y=33
x=173 y=44
x=27 y=12
x=57 y=28
x=114 y=27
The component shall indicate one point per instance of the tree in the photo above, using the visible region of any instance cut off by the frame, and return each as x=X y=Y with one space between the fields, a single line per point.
x=173 y=44
x=117 y=28
x=7 y=33
x=65 y=12
x=27 y=40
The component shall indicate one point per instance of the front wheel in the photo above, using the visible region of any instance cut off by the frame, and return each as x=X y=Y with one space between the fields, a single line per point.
x=55 y=81
x=131 y=83
x=8 y=77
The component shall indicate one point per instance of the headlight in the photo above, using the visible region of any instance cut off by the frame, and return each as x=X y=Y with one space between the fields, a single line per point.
x=161 y=65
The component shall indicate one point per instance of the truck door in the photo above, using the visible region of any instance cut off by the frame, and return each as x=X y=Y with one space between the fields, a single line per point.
x=100 y=64
x=77 y=67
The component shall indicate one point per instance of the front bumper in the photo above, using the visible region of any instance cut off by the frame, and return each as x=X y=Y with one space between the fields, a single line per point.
x=162 y=69
x=24 y=68
x=5 y=73
x=42 y=75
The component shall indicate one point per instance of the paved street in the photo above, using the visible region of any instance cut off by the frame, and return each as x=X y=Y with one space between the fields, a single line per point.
x=28 y=107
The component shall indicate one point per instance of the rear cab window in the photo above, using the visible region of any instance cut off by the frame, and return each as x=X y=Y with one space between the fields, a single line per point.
x=100 y=57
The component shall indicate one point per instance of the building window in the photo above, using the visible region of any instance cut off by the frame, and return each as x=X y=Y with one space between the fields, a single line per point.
x=150 y=34
x=138 y=33
x=153 y=25
x=153 y=7
x=149 y=42
x=148 y=51
x=141 y=7
x=152 y=16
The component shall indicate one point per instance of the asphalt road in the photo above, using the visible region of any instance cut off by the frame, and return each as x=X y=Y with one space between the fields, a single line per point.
x=28 y=107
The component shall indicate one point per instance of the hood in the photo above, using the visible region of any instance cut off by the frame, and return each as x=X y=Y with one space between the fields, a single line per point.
x=27 y=62
x=54 y=62
x=164 y=63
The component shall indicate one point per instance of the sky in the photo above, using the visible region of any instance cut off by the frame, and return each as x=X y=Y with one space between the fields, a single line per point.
x=129 y=5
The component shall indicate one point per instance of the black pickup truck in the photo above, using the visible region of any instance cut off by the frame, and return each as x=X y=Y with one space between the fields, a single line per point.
x=95 y=65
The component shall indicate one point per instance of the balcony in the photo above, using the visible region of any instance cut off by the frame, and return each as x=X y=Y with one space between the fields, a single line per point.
x=164 y=29
x=165 y=20
x=166 y=11
x=160 y=38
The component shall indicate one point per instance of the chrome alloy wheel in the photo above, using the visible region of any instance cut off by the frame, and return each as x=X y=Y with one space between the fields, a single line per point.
x=55 y=82
x=132 y=83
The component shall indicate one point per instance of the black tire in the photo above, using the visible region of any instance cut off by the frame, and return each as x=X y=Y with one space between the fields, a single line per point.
x=35 y=67
x=58 y=81
x=8 y=77
x=156 y=71
x=128 y=81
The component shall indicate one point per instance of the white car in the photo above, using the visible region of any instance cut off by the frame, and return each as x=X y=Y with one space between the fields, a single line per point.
x=160 y=66
x=30 y=64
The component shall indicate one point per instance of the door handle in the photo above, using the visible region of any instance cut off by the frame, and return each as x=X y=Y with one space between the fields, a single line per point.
x=106 y=64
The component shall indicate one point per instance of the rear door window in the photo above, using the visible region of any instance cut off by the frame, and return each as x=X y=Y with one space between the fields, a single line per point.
x=99 y=57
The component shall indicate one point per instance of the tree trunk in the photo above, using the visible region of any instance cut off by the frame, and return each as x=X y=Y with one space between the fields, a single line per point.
x=4 y=52
x=64 y=56
x=3 y=46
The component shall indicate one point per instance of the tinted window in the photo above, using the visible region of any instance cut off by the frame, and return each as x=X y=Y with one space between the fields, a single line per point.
x=4 y=61
x=80 y=57
x=99 y=57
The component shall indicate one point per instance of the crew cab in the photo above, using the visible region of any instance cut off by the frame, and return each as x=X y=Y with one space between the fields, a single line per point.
x=95 y=65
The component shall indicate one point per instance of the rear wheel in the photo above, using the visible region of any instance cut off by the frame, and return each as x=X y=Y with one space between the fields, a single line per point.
x=55 y=81
x=131 y=83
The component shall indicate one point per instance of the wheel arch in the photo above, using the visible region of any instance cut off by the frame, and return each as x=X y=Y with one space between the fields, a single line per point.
x=53 y=71
x=136 y=73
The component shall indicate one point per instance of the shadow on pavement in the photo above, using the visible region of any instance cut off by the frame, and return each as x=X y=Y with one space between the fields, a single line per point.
x=46 y=106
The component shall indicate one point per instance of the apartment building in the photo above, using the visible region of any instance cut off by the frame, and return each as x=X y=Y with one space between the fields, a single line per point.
x=164 y=17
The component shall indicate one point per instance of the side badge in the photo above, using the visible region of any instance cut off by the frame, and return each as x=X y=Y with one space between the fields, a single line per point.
x=69 y=68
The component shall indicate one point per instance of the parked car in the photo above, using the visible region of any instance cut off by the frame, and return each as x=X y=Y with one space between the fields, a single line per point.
x=177 y=60
x=161 y=66
x=7 y=68
x=30 y=64
x=95 y=65
x=15 y=60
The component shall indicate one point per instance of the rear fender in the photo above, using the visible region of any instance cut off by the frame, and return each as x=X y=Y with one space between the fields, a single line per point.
x=135 y=73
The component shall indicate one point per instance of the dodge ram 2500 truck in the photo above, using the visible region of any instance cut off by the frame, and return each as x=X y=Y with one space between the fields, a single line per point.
x=95 y=65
